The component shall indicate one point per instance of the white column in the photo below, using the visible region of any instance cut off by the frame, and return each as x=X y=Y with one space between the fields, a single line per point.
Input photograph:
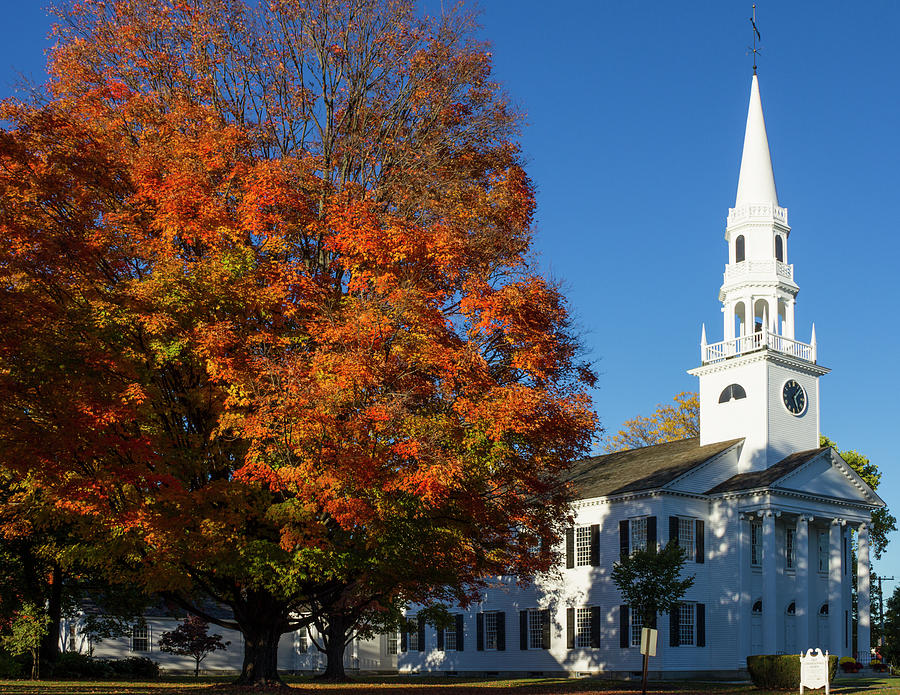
x=743 y=637
x=789 y=320
x=801 y=541
x=770 y=599
x=835 y=595
x=862 y=593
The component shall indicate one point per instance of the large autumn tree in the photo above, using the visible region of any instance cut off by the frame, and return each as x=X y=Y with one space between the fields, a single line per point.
x=270 y=324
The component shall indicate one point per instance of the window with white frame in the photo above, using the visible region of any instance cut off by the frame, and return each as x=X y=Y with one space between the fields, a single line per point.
x=755 y=544
x=140 y=638
x=686 y=624
x=583 y=546
x=490 y=630
x=392 y=642
x=413 y=636
x=302 y=643
x=686 y=536
x=789 y=548
x=637 y=622
x=450 y=639
x=535 y=629
x=583 y=627
x=822 y=537
x=638 y=533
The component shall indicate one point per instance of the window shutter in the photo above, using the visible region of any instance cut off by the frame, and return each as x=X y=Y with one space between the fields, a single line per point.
x=460 y=632
x=624 y=625
x=501 y=631
x=653 y=622
x=701 y=543
x=595 y=545
x=545 y=629
x=421 y=633
x=570 y=548
x=523 y=629
x=701 y=625
x=651 y=531
x=479 y=631
x=674 y=626
x=403 y=642
x=570 y=628
x=623 y=539
x=596 y=626
x=440 y=638
x=673 y=529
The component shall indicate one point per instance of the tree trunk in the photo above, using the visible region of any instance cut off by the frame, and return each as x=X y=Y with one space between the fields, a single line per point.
x=262 y=620
x=334 y=642
x=50 y=642
x=196 y=667
x=35 y=664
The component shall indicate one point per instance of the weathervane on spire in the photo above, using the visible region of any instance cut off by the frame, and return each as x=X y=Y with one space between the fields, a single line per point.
x=756 y=37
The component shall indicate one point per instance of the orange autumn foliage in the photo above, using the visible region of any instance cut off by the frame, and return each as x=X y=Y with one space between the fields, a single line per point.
x=269 y=317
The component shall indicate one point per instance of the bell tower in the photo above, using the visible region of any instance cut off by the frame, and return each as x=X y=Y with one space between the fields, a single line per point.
x=759 y=383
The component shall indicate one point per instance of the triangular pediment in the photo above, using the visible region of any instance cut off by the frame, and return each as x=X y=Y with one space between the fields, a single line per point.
x=829 y=475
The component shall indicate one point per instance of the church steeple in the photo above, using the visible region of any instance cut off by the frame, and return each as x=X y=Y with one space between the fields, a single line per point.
x=756 y=182
x=759 y=383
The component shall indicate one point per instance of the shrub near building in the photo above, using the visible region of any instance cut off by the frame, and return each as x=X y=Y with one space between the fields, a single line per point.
x=781 y=671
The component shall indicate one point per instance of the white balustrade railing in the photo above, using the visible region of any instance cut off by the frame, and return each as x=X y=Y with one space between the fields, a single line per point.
x=736 y=271
x=758 y=210
x=716 y=352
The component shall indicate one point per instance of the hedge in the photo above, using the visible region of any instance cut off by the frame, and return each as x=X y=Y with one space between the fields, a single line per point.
x=781 y=671
x=81 y=666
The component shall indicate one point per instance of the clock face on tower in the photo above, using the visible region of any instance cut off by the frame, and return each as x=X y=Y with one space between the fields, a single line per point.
x=794 y=397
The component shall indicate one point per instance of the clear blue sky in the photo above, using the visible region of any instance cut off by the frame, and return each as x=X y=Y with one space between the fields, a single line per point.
x=635 y=114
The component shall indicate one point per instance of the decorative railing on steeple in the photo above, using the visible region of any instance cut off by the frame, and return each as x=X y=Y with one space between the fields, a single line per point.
x=763 y=339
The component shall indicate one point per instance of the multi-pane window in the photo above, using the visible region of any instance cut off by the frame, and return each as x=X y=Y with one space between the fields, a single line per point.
x=583 y=627
x=822 y=537
x=755 y=544
x=450 y=639
x=140 y=638
x=686 y=534
x=302 y=643
x=392 y=643
x=638 y=532
x=686 y=623
x=583 y=546
x=413 y=628
x=637 y=622
x=789 y=548
x=490 y=630
x=535 y=629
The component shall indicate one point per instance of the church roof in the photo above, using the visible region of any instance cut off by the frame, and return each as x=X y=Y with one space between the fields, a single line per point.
x=756 y=183
x=647 y=468
x=765 y=478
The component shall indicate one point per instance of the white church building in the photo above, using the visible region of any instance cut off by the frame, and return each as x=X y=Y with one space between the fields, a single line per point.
x=765 y=514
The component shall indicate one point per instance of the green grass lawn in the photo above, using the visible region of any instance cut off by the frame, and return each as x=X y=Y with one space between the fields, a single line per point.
x=434 y=686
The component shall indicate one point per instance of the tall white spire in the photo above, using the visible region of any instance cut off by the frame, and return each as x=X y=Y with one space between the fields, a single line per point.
x=756 y=183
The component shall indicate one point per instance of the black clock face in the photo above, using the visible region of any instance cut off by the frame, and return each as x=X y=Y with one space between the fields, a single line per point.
x=794 y=397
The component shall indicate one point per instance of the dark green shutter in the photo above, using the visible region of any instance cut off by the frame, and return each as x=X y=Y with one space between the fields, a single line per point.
x=673 y=529
x=623 y=539
x=651 y=531
x=403 y=642
x=595 y=545
x=701 y=625
x=501 y=631
x=479 y=632
x=440 y=638
x=624 y=626
x=460 y=632
x=596 y=626
x=421 y=633
x=570 y=548
x=570 y=628
x=701 y=543
x=523 y=629
x=675 y=626
x=545 y=629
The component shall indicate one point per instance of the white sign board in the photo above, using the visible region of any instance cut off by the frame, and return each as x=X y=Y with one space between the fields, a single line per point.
x=648 y=641
x=814 y=671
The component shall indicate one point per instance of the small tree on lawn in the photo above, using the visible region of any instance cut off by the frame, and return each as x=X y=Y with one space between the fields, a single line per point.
x=191 y=639
x=27 y=629
x=650 y=581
